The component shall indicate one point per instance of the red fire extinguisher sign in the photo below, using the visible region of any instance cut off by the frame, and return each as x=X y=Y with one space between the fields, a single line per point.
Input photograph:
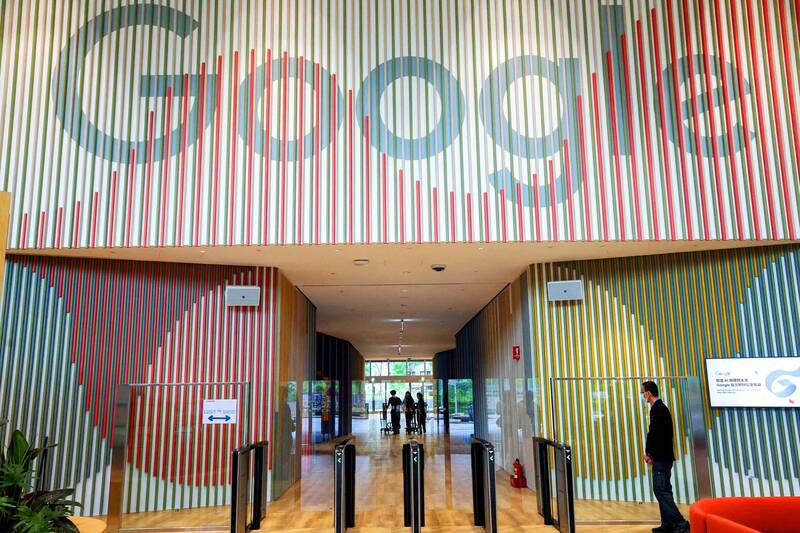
x=515 y=353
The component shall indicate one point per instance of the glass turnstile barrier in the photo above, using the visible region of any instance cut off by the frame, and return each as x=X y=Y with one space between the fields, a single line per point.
x=172 y=453
x=605 y=421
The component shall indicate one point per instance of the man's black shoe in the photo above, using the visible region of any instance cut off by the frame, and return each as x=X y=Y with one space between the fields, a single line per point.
x=662 y=529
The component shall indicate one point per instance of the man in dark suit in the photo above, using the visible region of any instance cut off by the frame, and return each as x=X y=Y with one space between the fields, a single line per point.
x=659 y=453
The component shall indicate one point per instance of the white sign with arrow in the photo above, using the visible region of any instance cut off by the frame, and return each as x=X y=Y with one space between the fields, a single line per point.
x=222 y=411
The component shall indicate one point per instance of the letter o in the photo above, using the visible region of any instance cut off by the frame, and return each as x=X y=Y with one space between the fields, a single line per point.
x=445 y=130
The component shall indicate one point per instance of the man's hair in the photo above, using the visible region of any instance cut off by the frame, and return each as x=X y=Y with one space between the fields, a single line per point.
x=392 y=392
x=651 y=387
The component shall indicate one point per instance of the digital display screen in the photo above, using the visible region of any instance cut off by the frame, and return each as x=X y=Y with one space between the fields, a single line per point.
x=754 y=382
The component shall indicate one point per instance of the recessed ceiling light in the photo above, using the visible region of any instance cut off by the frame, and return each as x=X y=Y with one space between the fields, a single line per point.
x=480 y=248
x=202 y=251
x=360 y=262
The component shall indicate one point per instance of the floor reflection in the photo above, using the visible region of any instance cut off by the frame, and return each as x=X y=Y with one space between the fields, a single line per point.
x=307 y=506
x=379 y=484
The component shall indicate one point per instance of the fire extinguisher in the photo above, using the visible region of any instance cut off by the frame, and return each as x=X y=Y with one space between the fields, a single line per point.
x=518 y=480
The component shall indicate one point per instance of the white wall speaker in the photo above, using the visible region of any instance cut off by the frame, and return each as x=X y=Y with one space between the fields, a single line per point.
x=242 y=295
x=565 y=291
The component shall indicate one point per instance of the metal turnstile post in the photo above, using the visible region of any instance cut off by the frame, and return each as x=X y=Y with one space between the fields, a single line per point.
x=484 y=490
x=414 y=486
x=344 y=478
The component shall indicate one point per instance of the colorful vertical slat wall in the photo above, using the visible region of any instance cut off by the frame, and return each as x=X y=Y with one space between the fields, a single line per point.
x=139 y=123
x=642 y=316
x=72 y=329
x=663 y=315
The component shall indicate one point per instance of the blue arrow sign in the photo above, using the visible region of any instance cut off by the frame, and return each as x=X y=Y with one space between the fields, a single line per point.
x=220 y=410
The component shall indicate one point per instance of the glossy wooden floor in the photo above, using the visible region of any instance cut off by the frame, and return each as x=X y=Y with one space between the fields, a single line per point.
x=308 y=505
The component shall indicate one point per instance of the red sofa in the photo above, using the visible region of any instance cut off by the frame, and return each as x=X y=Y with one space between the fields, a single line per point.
x=740 y=515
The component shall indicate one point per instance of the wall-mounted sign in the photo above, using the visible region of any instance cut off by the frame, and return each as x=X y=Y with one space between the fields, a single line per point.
x=754 y=382
x=221 y=411
x=515 y=352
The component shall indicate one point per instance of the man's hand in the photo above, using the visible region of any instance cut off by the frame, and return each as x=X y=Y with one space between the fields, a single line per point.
x=648 y=459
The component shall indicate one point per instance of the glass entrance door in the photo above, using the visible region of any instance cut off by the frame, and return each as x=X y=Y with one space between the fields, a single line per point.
x=369 y=405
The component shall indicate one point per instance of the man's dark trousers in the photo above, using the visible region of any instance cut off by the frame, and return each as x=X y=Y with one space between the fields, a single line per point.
x=670 y=515
x=395 y=422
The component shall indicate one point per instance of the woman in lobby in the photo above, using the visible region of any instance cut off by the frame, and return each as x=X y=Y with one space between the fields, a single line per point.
x=410 y=407
x=422 y=413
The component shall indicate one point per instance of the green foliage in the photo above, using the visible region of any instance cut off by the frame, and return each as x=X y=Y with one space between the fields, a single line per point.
x=21 y=509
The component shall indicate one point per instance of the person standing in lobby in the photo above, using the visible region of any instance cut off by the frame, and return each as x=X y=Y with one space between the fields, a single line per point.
x=395 y=405
x=410 y=408
x=659 y=453
x=422 y=413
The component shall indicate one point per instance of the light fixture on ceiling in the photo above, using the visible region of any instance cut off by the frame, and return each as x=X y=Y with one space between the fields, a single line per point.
x=360 y=262
x=400 y=340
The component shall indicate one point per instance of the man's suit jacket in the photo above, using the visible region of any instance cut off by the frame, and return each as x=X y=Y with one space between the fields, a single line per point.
x=659 y=444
